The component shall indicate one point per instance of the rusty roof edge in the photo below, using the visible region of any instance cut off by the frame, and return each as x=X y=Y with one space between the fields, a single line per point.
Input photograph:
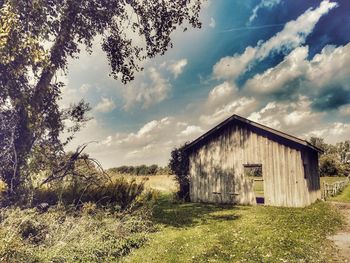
x=255 y=124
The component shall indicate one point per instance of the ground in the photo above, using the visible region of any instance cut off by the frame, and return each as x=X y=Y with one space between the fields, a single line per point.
x=210 y=233
x=182 y=232
x=342 y=238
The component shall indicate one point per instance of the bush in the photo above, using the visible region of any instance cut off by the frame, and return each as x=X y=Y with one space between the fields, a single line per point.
x=330 y=166
x=179 y=166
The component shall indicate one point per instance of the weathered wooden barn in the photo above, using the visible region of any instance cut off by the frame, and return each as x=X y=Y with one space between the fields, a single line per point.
x=243 y=162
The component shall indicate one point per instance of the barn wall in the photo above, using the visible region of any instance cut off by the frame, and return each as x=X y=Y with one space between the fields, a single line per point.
x=217 y=167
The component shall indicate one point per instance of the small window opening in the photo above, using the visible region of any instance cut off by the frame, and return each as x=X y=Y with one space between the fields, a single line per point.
x=254 y=173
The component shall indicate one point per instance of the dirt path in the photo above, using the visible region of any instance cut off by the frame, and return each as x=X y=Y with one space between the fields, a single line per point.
x=342 y=238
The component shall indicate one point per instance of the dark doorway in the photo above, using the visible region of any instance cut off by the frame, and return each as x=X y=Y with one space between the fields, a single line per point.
x=254 y=173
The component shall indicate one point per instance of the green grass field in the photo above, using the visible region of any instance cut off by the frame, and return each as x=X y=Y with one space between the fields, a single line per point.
x=211 y=233
x=174 y=232
x=344 y=196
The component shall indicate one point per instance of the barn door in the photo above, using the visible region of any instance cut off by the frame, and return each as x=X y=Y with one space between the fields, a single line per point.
x=253 y=173
x=223 y=186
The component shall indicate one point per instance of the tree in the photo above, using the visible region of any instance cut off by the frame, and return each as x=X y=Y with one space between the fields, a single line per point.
x=330 y=166
x=37 y=38
x=152 y=169
x=326 y=148
x=343 y=149
x=179 y=165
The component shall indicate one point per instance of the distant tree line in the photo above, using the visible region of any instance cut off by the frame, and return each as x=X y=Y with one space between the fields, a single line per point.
x=141 y=169
x=335 y=159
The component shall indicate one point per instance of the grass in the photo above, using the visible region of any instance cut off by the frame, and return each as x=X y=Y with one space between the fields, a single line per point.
x=64 y=235
x=175 y=232
x=344 y=196
x=258 y=188
x=163 y=183
x=102 y=225
x=210 y=233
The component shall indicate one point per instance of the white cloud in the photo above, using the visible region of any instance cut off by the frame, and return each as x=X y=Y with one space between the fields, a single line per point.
x=212 y=23
x=232 y=67
x=105 y=105
x=85 y=88
x=292 y=67
x=221 y=94
x=240 y=106
x=295 y=32
x=331 y=132
x=331 y=66
x=263 y=4
x=151 y=143
x=152 y=91
x=177 y=67
x=293 y=35
x=191 y=130
x=322 y=77
x=295 y=118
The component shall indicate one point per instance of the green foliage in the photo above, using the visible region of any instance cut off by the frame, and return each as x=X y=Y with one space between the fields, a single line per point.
x=178 y=164
x=330 y=166
x=38 y=38
x=343 y=150
x=335 y=159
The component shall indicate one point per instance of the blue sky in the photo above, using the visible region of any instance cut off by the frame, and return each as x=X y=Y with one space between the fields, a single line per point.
x=282 y=63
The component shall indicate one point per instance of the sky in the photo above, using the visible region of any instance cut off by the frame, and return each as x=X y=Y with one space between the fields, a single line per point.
x=282 y=63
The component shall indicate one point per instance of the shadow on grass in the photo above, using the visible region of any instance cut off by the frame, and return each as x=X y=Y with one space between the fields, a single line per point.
x=174 y=214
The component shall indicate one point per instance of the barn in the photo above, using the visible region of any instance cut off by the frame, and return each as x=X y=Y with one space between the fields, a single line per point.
x=243 y=162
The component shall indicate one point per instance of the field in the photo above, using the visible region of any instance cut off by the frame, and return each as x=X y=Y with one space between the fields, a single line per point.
x=162 y=183
x=211 y=233
x=344 y=196
x=214 y=233
x=171 y=232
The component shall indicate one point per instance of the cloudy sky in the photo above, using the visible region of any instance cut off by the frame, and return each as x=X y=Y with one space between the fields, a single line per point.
x=285 y=64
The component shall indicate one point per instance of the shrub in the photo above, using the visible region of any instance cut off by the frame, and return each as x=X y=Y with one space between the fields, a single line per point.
x=179 y=166
x=330 y=166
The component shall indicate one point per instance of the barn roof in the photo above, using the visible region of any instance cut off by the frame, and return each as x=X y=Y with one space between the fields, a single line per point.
x=236 y=118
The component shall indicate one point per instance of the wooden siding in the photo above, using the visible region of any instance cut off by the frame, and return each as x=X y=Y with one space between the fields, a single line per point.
x=217 y=173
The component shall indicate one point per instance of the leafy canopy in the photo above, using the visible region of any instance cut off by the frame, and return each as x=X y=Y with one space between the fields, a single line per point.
x=36 y=39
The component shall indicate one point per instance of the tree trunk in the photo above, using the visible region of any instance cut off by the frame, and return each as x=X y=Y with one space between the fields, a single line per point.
x=22 y=143
x=30 y=117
